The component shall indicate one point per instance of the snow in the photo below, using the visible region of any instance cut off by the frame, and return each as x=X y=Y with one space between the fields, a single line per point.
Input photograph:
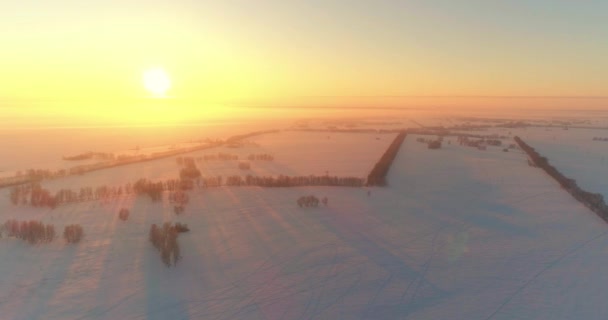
x=574 y=153
x=294 y=152
x=459 y=234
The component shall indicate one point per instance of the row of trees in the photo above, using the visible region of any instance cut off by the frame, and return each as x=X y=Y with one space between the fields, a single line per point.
x=593 y=201
x=90 y=155
x=295 y=181
x=39 y=174
x=31 y=231
x=431 y=143
x=377 y=177
x=34 y=194
x=164 y=239
x=35 y=232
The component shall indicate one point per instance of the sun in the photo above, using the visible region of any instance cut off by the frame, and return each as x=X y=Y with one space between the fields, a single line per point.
x=157 y=82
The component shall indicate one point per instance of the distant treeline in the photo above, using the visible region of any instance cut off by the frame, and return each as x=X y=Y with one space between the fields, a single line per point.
x=337 y=130
x=90 y=155
x=593 y=201
x=295 y=181
x=249 y=135
x=377 y=177
x=33 y=175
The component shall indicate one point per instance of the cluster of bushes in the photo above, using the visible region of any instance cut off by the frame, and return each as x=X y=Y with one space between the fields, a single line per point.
x=189 y=170
x=189 y=173
x=310 y=201
x=181 y=199
x=241 y=137
x=261 y=156
x=31 y=231
x=209 y=181
x=599 y=139
x=123 y=214
x=593 y=201
x=34 y=194
x=152 y=189
x=431 y=144
x=377 y=177
x=479 y=143
x=244 y=165
x=288 y=181
x=73 y=233
x=164 y=239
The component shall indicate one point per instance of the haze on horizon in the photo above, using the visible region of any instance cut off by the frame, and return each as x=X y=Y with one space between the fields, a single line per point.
x=66 y=61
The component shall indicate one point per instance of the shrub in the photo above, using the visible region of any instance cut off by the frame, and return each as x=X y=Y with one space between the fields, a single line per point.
x=308 y=201
x=164 y=239
x=190 y=172
x=181 y=227
x=436 y=144
x=73 y=233
x=123 y=214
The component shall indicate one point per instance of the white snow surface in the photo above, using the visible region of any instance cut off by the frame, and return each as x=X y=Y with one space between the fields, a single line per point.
x=574 y=153
x=295 y=154
x=458 y=234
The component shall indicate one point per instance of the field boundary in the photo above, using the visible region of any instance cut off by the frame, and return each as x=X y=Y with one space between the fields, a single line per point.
x=377 y=177
x=594 y=201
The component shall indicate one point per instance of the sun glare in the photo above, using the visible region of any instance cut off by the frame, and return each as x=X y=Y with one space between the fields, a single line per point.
x=157 y=82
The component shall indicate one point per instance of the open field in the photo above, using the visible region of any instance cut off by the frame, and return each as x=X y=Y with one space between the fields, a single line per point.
x=574 y=153
x=295 y=153
x=459 y=233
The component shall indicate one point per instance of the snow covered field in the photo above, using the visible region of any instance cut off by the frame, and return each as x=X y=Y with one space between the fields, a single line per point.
x=295 y=153
x=574 y=153
x=458 y=234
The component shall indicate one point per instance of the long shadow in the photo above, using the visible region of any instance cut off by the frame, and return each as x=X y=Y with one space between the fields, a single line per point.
x=347 y=231
x=57 y=270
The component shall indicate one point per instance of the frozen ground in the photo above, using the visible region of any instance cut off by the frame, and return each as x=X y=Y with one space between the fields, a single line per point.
x=43 y=148
x=574 y=153
x=295 y=153
x=459 y=234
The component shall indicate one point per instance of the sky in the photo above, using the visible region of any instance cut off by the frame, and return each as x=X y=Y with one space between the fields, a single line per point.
x=86 y=58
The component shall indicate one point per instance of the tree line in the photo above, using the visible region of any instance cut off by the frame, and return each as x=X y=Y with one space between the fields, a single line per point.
x=35 y=232
x=294 y=181
x=594 y=201
x=377 y=177
x=34 y=194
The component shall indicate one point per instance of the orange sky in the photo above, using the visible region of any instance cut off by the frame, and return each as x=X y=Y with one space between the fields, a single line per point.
x=85 y=60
